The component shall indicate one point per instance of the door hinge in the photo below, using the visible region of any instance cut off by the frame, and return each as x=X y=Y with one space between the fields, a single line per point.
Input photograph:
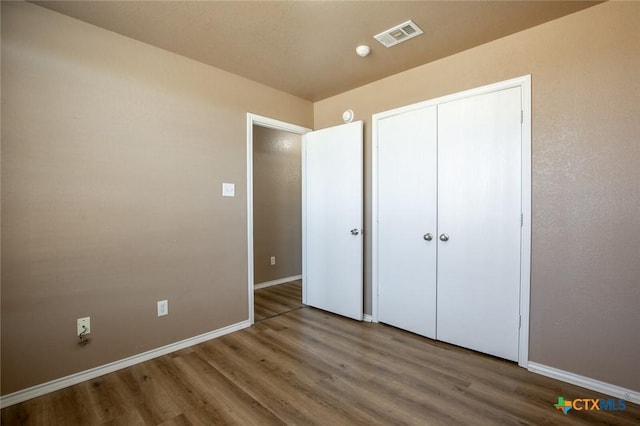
x=521 y=116
x=519 y=322
x=521 y=219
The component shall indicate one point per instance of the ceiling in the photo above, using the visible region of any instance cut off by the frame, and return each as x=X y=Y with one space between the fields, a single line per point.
x=307 y=48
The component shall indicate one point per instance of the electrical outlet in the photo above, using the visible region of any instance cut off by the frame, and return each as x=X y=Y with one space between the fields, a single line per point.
x=163 y=308
x=273 y=260
x=84 y=325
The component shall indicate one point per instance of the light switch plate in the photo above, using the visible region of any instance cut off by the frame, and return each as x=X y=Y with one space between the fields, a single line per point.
x=228 y=189
x=163 y=308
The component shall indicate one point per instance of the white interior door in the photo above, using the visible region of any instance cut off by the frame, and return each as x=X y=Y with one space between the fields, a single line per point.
x=407 y=234
x=479 y=216
x=332 y=219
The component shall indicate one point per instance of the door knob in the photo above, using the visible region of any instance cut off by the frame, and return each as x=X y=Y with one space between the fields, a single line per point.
x=355 y=231
x=444 y=237
x=428 y=237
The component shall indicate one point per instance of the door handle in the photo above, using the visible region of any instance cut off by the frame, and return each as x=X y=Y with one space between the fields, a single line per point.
x=355 y=231
x=428 y=237
x=444 y=237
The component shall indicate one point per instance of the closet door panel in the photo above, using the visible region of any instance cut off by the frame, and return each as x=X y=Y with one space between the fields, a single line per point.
x=479 y=206
x=406 y=213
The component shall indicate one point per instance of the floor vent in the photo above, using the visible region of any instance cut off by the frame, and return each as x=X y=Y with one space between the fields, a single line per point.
x=398 y=34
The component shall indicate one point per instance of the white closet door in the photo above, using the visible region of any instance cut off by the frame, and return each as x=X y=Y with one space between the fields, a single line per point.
x=479 y=207
x=332 y=201
x=406 y=216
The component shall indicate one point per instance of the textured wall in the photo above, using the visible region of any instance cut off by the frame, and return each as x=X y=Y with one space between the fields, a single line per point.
x=113 y=155
x=277 y=204
x=585 y=279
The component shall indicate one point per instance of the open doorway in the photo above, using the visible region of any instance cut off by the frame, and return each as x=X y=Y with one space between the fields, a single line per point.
x=274 y=217
x=278 y=299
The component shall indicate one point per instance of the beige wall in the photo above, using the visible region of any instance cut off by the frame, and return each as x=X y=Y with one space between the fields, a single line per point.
x=585 y=283
x=277 y=204
x=113 y=156
x=113 y=153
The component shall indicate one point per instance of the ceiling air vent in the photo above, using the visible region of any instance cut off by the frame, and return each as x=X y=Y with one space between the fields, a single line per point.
x=398 y=34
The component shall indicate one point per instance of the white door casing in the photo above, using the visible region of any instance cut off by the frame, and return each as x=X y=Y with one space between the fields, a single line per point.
x=332 y=219
x=522 y=116
x=254 y=119
x=407 y=233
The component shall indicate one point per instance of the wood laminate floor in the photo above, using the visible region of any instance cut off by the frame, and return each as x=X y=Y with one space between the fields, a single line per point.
x=277 y=299
x=309 y=367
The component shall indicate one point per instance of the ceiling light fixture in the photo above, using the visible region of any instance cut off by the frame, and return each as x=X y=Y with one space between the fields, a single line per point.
x=363 y=50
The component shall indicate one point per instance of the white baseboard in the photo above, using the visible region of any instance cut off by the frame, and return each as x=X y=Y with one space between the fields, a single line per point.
x=63 y=382
x=367 y=318
x=585 y=382
x=276 y=282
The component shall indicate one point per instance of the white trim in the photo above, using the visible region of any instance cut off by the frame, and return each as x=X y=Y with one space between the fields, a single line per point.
x=525 y=236
x=367 y=318
x=63 y=382
x=585 y=382
x=303 y=176
x=524 y=82
x=258 y=120
x=276 y=282
x=374 y=216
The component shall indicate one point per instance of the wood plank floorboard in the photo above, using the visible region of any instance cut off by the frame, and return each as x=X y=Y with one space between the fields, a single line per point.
x=277 y=299
x=309 y=367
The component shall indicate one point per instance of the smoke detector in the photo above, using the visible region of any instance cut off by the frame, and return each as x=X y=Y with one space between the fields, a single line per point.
x=363 y=50
x=398 y=34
